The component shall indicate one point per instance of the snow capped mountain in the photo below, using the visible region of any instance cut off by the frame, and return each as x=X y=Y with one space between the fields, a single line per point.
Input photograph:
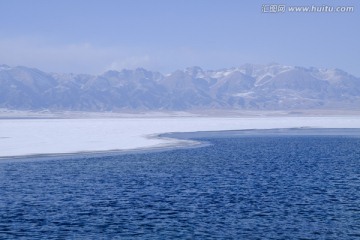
x=255 y=87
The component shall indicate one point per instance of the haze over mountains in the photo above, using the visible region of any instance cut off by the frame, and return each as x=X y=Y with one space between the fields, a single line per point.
x=250 y=87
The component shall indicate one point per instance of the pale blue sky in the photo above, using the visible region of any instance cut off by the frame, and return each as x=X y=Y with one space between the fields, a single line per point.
x=84 y=36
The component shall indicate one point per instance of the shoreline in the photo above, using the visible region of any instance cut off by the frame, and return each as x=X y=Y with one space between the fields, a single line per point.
x=40 y=137
x=184 y=144
x=6 y=114
x=188 y=140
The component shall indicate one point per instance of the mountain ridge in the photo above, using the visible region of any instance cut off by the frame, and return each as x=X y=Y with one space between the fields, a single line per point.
x=248 y=87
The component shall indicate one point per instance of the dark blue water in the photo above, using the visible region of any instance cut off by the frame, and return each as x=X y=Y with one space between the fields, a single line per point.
x=263 y=187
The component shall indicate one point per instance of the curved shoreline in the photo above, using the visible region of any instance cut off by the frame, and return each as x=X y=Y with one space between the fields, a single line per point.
x=177 y=144
x=188 y=140
x=77 y=136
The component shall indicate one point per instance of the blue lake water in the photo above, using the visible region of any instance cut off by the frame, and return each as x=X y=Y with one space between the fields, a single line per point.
x=238 y=187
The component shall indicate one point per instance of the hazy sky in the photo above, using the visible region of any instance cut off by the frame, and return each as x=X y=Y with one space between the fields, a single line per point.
x=84 y=36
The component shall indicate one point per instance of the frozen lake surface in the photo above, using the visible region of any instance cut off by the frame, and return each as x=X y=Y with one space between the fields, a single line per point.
x=23 y=137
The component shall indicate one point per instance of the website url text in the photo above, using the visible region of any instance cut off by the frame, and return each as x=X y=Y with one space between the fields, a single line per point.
x=281 y=8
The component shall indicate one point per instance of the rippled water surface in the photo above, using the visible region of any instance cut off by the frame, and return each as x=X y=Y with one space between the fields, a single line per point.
x=262 y=187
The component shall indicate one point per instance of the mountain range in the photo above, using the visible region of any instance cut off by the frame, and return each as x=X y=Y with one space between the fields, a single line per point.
x=248 y=87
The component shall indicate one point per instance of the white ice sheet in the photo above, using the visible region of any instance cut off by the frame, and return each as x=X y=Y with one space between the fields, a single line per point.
x=19 y=137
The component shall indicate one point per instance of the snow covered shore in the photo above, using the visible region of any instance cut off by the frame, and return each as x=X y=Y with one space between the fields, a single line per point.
x=22 y=137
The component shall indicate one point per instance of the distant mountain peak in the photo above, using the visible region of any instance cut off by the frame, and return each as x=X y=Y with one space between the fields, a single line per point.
x=4 y=67
x=195 y=71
